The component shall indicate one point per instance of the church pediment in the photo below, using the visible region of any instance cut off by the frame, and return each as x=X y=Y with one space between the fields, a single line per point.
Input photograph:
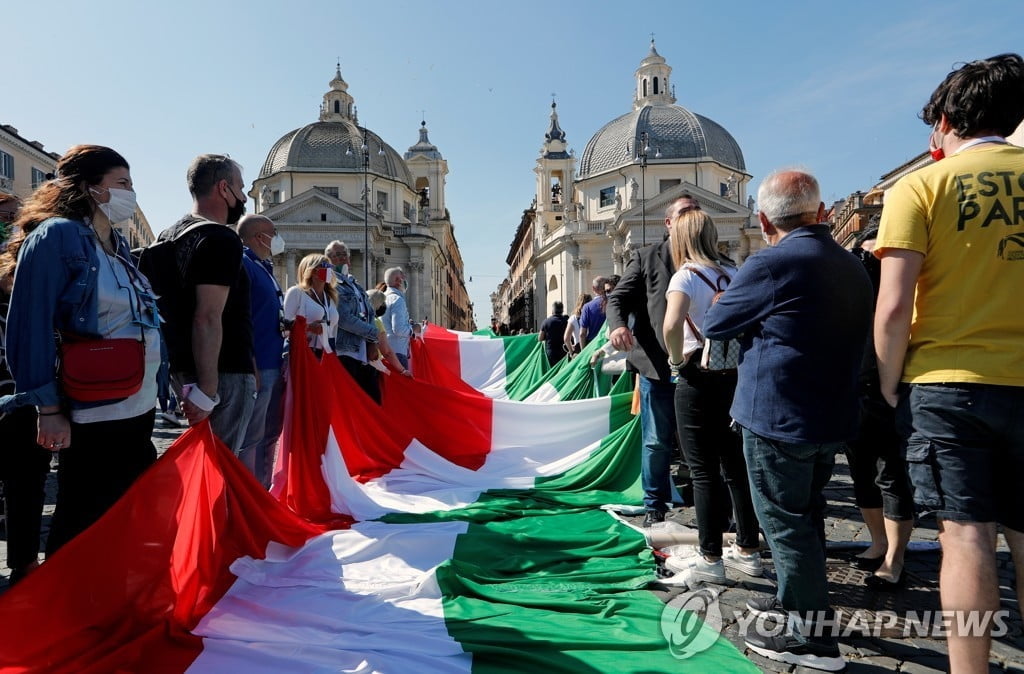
x=309 y=207
x=714 y=205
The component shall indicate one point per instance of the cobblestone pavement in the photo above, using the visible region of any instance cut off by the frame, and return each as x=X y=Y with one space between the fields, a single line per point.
x=889 y=651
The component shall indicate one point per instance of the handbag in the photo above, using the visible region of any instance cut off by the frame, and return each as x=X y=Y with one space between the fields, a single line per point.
x=101 y=370
x=718 y=355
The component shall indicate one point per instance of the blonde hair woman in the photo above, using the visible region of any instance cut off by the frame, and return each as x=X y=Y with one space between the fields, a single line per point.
x=571 y=338
x=315 y=298
x=377 y=301
x=702 y=402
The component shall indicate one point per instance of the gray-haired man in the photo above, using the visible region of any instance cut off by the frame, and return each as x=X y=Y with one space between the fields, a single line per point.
x=396 y=317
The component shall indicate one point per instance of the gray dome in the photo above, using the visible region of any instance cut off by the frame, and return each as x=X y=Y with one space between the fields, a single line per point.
x=672 y=129
x=321 y=147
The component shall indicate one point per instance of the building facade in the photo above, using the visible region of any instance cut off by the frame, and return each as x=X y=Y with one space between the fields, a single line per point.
x=336 y=179
x=25 y=165
x=589 y=216
x=853 y=215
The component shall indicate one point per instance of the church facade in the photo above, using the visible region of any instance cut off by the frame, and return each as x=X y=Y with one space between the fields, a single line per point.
x=336 y=179
x=590 y=214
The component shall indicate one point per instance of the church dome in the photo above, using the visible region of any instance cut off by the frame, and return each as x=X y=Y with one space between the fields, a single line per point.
x=672 y=130
x=333 y=144
x=322 y=147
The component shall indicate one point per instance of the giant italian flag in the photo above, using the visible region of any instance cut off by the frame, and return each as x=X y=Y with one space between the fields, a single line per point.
x=445 y=531
x=512 y=368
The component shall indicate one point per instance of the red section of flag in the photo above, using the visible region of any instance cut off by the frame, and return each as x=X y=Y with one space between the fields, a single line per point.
x=373 y=439
x=299 y=477
x=436 y=359
x=122 y=595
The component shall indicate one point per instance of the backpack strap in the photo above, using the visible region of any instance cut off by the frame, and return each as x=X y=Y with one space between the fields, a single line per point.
x=191 y=228
x=717 y=287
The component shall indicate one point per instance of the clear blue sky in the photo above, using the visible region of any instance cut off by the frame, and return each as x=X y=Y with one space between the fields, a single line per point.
x=833 y=86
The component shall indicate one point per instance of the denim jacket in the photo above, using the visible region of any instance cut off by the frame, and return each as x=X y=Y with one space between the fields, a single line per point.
x=355 y=317
x=55 y=287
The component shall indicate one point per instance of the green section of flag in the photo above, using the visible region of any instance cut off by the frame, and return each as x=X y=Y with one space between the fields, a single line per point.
x=611 y=474
x=526 y=370
x=563 y=593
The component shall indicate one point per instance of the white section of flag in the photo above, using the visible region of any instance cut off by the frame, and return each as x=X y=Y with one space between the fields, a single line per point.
x=528 y=440
x=355 y=601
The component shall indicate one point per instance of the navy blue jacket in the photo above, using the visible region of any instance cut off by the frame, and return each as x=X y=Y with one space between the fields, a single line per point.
x=803 y=309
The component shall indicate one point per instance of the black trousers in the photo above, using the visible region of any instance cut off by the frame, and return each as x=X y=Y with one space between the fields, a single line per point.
x=365 y=375
x=876 y=460
x=24 y=466
x=104 y=459
x=715 y=456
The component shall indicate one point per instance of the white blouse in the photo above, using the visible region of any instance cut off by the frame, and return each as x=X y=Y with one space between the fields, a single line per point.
x=301 y=302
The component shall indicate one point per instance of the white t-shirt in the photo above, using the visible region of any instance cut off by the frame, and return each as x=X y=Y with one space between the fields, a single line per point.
x=297 y=302
x=700 y=293
x=574 y=323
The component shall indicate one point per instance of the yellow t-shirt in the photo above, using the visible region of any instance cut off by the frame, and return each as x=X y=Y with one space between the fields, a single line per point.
x=966 y=215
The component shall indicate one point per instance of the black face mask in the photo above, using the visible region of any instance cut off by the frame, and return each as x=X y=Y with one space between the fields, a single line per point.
x=380 y=312
x=235 y=212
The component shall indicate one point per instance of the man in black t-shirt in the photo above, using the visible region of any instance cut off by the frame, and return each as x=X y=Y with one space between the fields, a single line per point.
x=210 y=337
x=552 y=331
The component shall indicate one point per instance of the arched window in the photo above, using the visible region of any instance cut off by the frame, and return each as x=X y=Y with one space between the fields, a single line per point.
x=337 y=107
x=553 y=283
x=645 y=86
x=655 y=85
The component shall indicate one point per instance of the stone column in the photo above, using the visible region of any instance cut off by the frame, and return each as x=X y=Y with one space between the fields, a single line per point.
x=417 y=287
x=290 y=269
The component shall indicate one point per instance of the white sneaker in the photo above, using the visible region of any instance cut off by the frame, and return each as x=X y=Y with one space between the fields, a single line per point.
x=694 y=570
x=748 y=564
x=169 y=417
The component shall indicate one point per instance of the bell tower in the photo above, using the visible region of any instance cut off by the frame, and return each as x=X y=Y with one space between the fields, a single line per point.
x=555 y=170
x=428 y=170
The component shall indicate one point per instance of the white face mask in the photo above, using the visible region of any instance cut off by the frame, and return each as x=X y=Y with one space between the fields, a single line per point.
x=121 y=205
x=276 y=244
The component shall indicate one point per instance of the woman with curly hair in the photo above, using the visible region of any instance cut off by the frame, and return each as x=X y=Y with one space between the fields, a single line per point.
x=74 y=278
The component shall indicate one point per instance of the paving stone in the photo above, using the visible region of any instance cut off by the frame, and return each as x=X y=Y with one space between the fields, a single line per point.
x=929 y=665
x=871 y=665
x=766 y=665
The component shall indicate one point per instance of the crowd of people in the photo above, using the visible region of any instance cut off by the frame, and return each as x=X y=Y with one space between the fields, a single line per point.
x=213 y=341
x=904 y=353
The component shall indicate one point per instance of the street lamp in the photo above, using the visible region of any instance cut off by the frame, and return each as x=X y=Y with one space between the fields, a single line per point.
x=642 y=157
x=364 y=149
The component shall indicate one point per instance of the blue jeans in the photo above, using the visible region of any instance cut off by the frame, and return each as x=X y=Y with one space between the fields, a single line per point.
x=657 y=430
x=265 y=426
x=230 y=418
x=787 y=481
x=403 y=359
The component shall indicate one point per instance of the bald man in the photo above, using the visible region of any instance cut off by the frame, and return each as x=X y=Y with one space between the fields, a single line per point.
x=803 y=306
x=261 y=242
